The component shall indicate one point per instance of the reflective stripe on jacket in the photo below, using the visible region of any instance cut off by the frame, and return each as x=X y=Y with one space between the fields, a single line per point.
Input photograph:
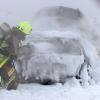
x=3 y=60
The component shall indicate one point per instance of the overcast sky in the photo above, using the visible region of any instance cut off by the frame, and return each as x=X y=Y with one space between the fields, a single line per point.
x=17 y=10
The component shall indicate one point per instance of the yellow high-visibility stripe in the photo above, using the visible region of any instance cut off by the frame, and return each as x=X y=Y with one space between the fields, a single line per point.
x=3 y=62
x=1 y=82
x=10 y=80
x=11 y=72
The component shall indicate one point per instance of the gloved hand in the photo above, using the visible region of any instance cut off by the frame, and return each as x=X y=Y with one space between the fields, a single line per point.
x=13 y=56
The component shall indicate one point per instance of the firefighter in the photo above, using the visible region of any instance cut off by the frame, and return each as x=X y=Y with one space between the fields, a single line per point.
x=10 y=42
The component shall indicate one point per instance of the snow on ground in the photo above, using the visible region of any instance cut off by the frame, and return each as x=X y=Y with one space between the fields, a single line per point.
x=13 y=12
x=52 y=92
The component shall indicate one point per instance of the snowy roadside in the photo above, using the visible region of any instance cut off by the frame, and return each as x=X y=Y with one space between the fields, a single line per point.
x=52 y=92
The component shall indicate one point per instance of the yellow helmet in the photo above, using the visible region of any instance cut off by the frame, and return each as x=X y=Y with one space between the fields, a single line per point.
x=25 y=27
